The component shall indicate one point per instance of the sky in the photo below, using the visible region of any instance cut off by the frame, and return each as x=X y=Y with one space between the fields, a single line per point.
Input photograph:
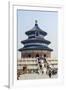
x=47 y=21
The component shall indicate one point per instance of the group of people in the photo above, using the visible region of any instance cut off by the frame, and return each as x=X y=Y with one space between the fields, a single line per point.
x=41 y=62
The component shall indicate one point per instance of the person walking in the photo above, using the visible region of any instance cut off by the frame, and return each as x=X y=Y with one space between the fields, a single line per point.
x=50 y=73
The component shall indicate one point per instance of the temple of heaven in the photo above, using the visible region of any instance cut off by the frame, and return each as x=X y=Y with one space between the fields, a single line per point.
x=35 y=45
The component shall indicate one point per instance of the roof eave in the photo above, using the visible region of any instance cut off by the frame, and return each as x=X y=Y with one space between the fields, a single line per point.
x=24 y=49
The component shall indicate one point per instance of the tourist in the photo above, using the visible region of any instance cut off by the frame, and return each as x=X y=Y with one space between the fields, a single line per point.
x=50 y=73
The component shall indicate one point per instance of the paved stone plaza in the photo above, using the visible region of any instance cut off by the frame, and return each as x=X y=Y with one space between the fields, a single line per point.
x=36 y=76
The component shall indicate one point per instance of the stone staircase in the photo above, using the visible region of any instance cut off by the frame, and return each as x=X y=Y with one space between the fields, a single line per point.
x=41 y=65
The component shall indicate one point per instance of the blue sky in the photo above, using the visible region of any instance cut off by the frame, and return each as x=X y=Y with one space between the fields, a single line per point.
x=47 y=21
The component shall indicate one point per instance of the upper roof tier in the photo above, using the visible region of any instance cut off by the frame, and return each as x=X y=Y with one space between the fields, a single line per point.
x=34 y=29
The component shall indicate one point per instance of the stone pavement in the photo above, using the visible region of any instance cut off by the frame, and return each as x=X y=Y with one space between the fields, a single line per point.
x=36 y=76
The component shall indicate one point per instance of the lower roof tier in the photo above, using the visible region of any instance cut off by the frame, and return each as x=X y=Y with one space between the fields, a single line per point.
x=39 y=47
x=37 y=40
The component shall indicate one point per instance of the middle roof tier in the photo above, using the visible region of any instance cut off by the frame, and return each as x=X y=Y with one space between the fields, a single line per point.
x=36 y=40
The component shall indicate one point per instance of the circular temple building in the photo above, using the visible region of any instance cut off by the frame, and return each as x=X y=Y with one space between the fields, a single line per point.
x=34 y=52
x=36 y=45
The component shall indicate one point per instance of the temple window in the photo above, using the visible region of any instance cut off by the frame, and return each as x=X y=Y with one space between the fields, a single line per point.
x=44 y=55
x=29 y=55
x=37 y=55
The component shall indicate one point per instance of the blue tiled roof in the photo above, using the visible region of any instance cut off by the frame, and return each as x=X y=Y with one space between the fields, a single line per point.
x=40 y=40
x=30 y=43
x=34 y=29
x=39 y=47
